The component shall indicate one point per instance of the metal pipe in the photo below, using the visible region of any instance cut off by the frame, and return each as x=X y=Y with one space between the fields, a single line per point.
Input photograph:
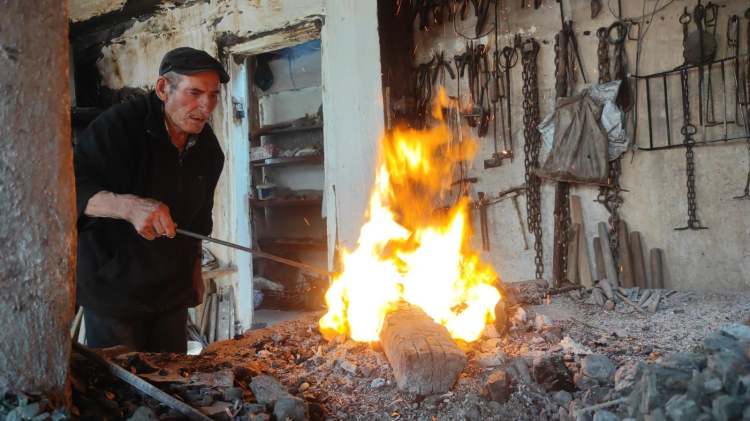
x=142 y=385
x=256 y=252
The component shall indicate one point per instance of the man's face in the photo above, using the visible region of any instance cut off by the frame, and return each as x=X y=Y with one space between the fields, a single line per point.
x=189 y=104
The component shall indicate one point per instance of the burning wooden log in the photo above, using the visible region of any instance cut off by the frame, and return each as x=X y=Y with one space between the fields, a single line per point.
x=424 y=357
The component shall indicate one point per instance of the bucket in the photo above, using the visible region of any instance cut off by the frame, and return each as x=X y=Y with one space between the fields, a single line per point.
x=194 y=348
x=266 y=190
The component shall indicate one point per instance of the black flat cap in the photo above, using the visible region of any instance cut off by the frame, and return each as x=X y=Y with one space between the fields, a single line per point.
x=186 y=61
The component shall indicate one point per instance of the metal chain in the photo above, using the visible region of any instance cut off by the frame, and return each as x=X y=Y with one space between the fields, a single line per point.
x=613 y=202
x=531 y=147
x=562 y=225
x=557 y=60
x=602 y=53
x=688 y=130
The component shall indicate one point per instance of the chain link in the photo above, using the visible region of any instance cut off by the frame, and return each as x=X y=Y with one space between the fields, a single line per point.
x=562 y=222
x=531 y=147
x=602 y=53
x=688 y=130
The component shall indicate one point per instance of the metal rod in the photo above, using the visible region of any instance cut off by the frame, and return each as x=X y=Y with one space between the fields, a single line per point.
x=666 y=108
x=648 y=104
x=188 y=411
x=724 y=98
x=256 y=252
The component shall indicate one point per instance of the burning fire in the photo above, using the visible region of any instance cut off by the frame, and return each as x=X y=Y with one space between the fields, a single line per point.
x=408 y=251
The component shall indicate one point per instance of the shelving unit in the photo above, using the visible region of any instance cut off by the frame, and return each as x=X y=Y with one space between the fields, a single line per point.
x=285 y=130
x=291 y=224
x=292 y=160
x=277 y=203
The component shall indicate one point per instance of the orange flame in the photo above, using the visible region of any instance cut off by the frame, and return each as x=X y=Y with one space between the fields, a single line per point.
x=407 y=251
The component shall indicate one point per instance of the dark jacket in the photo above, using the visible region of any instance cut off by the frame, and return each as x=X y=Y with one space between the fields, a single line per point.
x=127 y=150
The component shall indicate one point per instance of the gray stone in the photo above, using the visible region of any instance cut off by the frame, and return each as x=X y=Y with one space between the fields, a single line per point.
x=604 y=415
x=563 y=398
x=655 y=415
x=609 y=305
x=682 y=408
x=61 y=414
x=715 y=342
x=377 y=383
x=575 y=414
x=496 y=406
x=233 y=393
x=473 y=415
x=746 y=413
x=30 y=411
x=541 y=321
x=500 y=385
x=552 y=373
x=628 y=375
x=727 y=366
x=584 y=382
x=267 y=390
x=712 y=385
x=657 y=385
x=349 y=367
x=726 y=408
x=254 y=408
x=598 y=367
x=46 y=416
x=595 y=395
x=686 y=360
x=291 y=408
x=519 y=364
x=144 y=413
x=736 y=331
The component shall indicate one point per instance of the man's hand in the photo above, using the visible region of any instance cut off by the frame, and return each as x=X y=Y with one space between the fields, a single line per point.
x=150 y=218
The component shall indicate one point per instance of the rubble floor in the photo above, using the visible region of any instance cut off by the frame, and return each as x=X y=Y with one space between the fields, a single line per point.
x=346 y=380
x=683 y=320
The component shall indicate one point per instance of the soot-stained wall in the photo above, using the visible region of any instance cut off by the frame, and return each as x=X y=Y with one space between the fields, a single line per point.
x=716 y=259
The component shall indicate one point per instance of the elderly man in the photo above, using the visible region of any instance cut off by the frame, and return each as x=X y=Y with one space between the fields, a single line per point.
x=143 y=168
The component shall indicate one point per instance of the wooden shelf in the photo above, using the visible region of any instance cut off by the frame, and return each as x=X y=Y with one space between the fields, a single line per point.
x=285 y=130
x=218 y=273
x=291 y=160
x=292 y=243
x=276 y=203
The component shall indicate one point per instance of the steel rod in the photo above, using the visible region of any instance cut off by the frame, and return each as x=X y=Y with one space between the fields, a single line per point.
x=256 y=252
x=666 y=109
x=188 y=411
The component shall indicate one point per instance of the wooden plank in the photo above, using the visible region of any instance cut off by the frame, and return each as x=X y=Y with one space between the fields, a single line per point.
x=599 y=259
x=657 y=274
x=639 y=265
x=206 y=319
x=222 y=326
x=584 y=262
x=609 y=262
x=572 y=262
x=82 y=332
x=623 y=251
x=76 y=322
x=424 y=357
x=212 y=318
x=218 y=273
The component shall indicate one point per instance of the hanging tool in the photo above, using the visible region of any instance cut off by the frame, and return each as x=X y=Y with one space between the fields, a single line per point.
x=688 y=130
x=513 y=195
x=483 y=222
x=510 y=58
x=745 y=81
x=256 y=252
